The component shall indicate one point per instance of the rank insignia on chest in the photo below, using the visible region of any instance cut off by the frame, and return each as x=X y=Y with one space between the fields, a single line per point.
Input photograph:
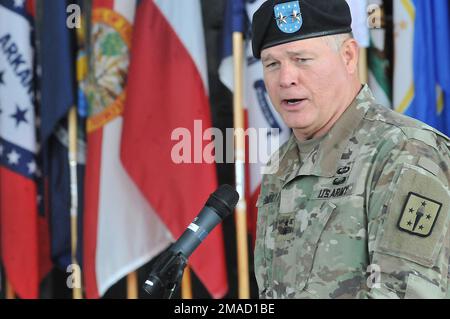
x=419 y=215
x=285 y=227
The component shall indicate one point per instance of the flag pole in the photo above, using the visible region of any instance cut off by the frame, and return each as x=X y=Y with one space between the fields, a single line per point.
x=363 y=66
x=132 y=285
x=186 y=284
x=9 y=290
x=241 y=208
x=77 y=288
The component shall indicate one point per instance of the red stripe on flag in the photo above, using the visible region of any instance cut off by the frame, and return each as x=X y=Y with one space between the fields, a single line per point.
x=30 y=6
x=45 y=259
x=19 y=231
x=165 y=92
x=90 y=222
x=109 y=4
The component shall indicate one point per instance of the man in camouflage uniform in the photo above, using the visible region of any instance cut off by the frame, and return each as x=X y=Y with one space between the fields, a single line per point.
x=356 y=204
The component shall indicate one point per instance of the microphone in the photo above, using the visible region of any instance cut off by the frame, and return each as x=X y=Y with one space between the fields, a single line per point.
x=219 y=205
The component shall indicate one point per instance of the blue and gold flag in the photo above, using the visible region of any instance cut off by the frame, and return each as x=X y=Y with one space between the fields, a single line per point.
x=428 y=96
x=432 y=64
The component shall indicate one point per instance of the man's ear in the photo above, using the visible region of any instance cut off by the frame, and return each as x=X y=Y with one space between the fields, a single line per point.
x=350 y=55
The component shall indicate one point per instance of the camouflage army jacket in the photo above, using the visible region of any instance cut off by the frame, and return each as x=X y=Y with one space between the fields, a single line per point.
x=365 y=215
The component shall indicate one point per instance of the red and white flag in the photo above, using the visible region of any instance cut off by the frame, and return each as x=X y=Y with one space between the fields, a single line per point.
x=122 y=232
x=24 y=241
x=167 y=90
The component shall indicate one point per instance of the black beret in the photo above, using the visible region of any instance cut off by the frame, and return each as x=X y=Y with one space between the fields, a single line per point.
x=281 y=21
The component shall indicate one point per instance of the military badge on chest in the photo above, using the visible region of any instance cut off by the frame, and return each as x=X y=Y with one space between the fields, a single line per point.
x=419 y=215
x=285 y=227
x=337 y=186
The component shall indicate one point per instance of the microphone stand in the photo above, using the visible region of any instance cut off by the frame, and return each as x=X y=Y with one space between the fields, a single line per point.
x=166 y=275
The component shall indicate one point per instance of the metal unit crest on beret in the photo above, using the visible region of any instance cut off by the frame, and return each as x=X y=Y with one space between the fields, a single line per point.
x=288 y=16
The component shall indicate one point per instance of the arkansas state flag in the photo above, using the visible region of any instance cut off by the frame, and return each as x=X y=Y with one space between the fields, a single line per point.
x=167 y=90
x=121 y=230
x=20 y=224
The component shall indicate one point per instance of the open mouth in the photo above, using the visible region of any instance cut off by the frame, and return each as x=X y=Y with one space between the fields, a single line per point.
x=292 y=102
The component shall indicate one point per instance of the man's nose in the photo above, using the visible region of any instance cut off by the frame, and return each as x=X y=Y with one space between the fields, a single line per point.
x=288 y=76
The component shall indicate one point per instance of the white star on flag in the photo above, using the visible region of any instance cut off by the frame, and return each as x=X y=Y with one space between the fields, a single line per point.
x=19 y=3
x=13 y=158
x=1 y=150
x=32 y=167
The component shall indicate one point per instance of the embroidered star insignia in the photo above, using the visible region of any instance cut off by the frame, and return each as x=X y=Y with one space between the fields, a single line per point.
x=422 y=222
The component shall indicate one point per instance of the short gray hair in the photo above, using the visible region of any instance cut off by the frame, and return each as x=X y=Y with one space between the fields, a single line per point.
x=336 y=41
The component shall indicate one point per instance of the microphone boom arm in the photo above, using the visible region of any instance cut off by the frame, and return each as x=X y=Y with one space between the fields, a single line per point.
x=166 y=275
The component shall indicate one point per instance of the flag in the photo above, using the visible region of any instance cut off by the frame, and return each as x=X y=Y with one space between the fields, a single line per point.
x=422 y=68
x=58 y=95
x=360 y=27
x=379 y=63
x=121 y=232
x=260 y=113
x=403 y=89
x=24 y=240
x=167 y=96
x=431 y=52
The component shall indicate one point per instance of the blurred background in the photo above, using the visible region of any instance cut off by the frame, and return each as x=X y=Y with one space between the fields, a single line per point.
x=97 y=99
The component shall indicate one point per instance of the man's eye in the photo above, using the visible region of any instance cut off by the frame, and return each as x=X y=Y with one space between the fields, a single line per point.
x=271 y=65
x=303 y=60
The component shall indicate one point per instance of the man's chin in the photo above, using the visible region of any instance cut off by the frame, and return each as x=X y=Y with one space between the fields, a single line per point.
x=301 y=126
x=298 y=121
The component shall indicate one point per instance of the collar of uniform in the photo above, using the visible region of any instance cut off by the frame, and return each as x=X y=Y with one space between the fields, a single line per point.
x=324 y=160
x=285 y=161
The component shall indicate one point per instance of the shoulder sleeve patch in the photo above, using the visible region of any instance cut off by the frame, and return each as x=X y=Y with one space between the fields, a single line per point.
x=417 y=217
